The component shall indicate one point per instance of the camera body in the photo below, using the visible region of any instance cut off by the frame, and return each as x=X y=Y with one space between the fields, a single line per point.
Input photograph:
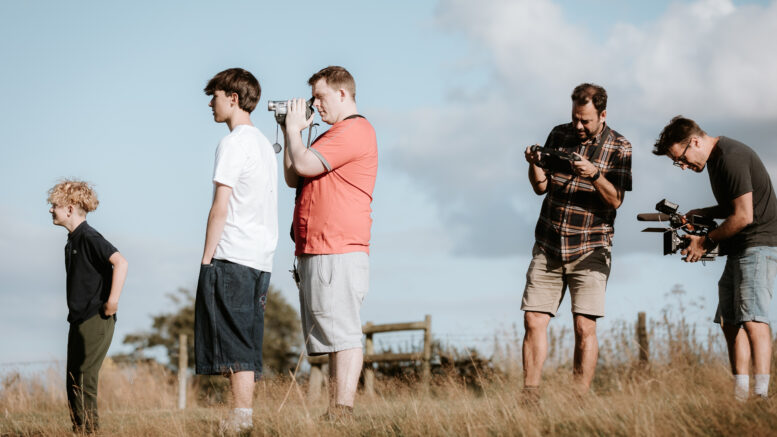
x=554 y=159
x=281 y=109
x=673 y=240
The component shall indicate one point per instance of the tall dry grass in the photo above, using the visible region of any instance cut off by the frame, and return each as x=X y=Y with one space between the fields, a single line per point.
x=685 y=390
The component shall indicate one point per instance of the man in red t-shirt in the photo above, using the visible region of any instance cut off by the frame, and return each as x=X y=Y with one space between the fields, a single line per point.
x=334 y=179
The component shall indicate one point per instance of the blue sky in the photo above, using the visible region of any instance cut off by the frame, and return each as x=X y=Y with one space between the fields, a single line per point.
x=455 y=89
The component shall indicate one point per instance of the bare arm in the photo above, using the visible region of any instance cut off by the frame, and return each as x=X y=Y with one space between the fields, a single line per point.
x=120 y=266
x=216 y=220
x=291 y=177
x=734 y=223
x=302 y=160
x=537 y=176
x=711 y=211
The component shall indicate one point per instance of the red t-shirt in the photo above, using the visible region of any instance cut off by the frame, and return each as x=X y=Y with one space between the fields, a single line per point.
x=332 y=211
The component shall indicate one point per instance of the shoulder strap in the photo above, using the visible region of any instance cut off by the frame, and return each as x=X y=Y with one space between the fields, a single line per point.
x=598 y=148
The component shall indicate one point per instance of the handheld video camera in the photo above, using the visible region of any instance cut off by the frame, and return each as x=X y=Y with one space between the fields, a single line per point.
x=280 y=108
x=673 y=240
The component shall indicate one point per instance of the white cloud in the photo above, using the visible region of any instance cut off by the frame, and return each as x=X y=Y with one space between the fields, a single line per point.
x=709 y=60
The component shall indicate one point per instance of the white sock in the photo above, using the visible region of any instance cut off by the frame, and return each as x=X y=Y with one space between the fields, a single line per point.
x=741 y=387
x=761 y=385
x=243 y=416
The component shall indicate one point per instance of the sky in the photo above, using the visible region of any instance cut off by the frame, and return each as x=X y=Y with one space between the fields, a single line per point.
x=112 y=93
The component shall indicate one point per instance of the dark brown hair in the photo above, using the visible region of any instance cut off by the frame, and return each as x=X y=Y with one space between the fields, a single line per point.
x=336 y=77
x=679 y=130
x=240 y=82
x=588 y=92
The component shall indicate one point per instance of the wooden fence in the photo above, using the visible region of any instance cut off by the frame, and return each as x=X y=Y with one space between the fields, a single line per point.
x=370 y=357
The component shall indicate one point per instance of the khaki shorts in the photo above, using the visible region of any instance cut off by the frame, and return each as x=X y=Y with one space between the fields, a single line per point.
x=547 y=280
x=332 y=289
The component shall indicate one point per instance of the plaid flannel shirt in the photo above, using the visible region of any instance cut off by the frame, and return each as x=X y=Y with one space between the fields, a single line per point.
x=574 y=220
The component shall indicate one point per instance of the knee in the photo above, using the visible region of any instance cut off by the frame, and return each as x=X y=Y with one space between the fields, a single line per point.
x=535 y=321
x=585 y=328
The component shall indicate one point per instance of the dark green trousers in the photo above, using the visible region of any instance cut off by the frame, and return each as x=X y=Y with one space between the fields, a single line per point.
x=87 y=345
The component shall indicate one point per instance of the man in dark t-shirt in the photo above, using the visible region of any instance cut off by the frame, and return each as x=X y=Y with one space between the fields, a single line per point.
x=95 y=276
x=748 y=236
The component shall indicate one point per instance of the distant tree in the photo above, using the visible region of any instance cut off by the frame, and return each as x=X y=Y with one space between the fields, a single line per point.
x=282 y=337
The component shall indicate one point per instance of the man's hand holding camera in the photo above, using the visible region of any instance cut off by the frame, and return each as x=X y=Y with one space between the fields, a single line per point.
x=585 y=168
x=695 y=249
x=295 y=117
x=533 y=157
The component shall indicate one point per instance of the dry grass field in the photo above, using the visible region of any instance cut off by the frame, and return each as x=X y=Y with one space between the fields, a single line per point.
x=685 y=390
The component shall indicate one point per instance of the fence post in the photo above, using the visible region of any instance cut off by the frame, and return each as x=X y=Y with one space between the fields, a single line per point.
x=369 y=372
x=426 y=368
x=183 y=359
x=642 y=338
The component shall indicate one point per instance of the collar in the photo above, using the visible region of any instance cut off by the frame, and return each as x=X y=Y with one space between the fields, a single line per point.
x=80 y=229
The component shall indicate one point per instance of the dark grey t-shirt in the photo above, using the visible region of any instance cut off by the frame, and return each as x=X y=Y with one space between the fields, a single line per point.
x=735 y=169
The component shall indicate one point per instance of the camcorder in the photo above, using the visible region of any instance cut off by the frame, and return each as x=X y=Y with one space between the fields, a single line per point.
x=554 y=159
x=281 y=109
x=676 y=223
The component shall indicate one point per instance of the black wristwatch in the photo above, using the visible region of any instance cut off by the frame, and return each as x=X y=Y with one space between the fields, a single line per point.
x=708 y=243
x=596 y=176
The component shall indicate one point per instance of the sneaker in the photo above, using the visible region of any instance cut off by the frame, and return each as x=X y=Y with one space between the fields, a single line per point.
x=235 y=426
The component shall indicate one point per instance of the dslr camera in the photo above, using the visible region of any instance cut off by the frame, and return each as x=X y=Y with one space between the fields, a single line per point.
x=676 y=223
x=281 y=109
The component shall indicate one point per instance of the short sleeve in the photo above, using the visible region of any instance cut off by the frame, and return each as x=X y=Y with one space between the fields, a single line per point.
x=339 y=147
x=230 y=160
x=100 y=248
x=734 y=175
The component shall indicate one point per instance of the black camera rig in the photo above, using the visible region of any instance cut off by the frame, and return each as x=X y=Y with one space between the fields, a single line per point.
x=673 y=241
x=547 y=156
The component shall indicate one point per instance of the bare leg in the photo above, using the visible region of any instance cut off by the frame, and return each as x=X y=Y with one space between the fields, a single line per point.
x=332 y=389
x=586 y=350
x=535 y=346
x=760 y=338
x=738 y=349
x=242 y=389
x=344 y=375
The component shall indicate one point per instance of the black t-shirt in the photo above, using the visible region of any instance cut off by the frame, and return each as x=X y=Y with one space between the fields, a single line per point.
x=735 y=169
x=89 y=272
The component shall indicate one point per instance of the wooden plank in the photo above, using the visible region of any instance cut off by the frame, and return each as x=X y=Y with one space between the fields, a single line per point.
x=410 y=326
x=386 y=357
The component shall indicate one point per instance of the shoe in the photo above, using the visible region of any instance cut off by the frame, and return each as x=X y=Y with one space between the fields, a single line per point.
x=340 y=414
x=235 y=427
x=530 y=396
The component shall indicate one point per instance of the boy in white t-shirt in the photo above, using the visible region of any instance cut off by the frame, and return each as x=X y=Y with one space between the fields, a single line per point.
x=240 y=242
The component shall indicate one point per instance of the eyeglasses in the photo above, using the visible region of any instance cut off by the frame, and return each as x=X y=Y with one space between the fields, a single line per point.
x=680 y=160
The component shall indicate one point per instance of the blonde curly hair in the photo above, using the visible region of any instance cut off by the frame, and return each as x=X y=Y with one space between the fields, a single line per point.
x=74 y=192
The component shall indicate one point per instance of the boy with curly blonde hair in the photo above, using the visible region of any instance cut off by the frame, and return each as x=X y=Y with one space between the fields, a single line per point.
x=95 y=276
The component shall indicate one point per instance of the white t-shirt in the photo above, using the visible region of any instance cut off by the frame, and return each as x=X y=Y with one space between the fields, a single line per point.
x=246 y=161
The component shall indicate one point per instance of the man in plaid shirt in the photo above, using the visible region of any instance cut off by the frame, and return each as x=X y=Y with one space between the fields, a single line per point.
x=574 y=231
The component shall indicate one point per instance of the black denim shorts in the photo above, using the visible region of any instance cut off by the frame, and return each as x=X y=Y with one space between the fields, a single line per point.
x=229 y=318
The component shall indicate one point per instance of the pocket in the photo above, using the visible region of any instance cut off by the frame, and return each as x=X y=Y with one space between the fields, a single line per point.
x=235 y=287
x=325 y=269
x=359 y=275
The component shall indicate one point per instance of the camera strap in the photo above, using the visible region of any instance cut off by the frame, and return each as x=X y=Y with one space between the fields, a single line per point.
x=597 y=149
